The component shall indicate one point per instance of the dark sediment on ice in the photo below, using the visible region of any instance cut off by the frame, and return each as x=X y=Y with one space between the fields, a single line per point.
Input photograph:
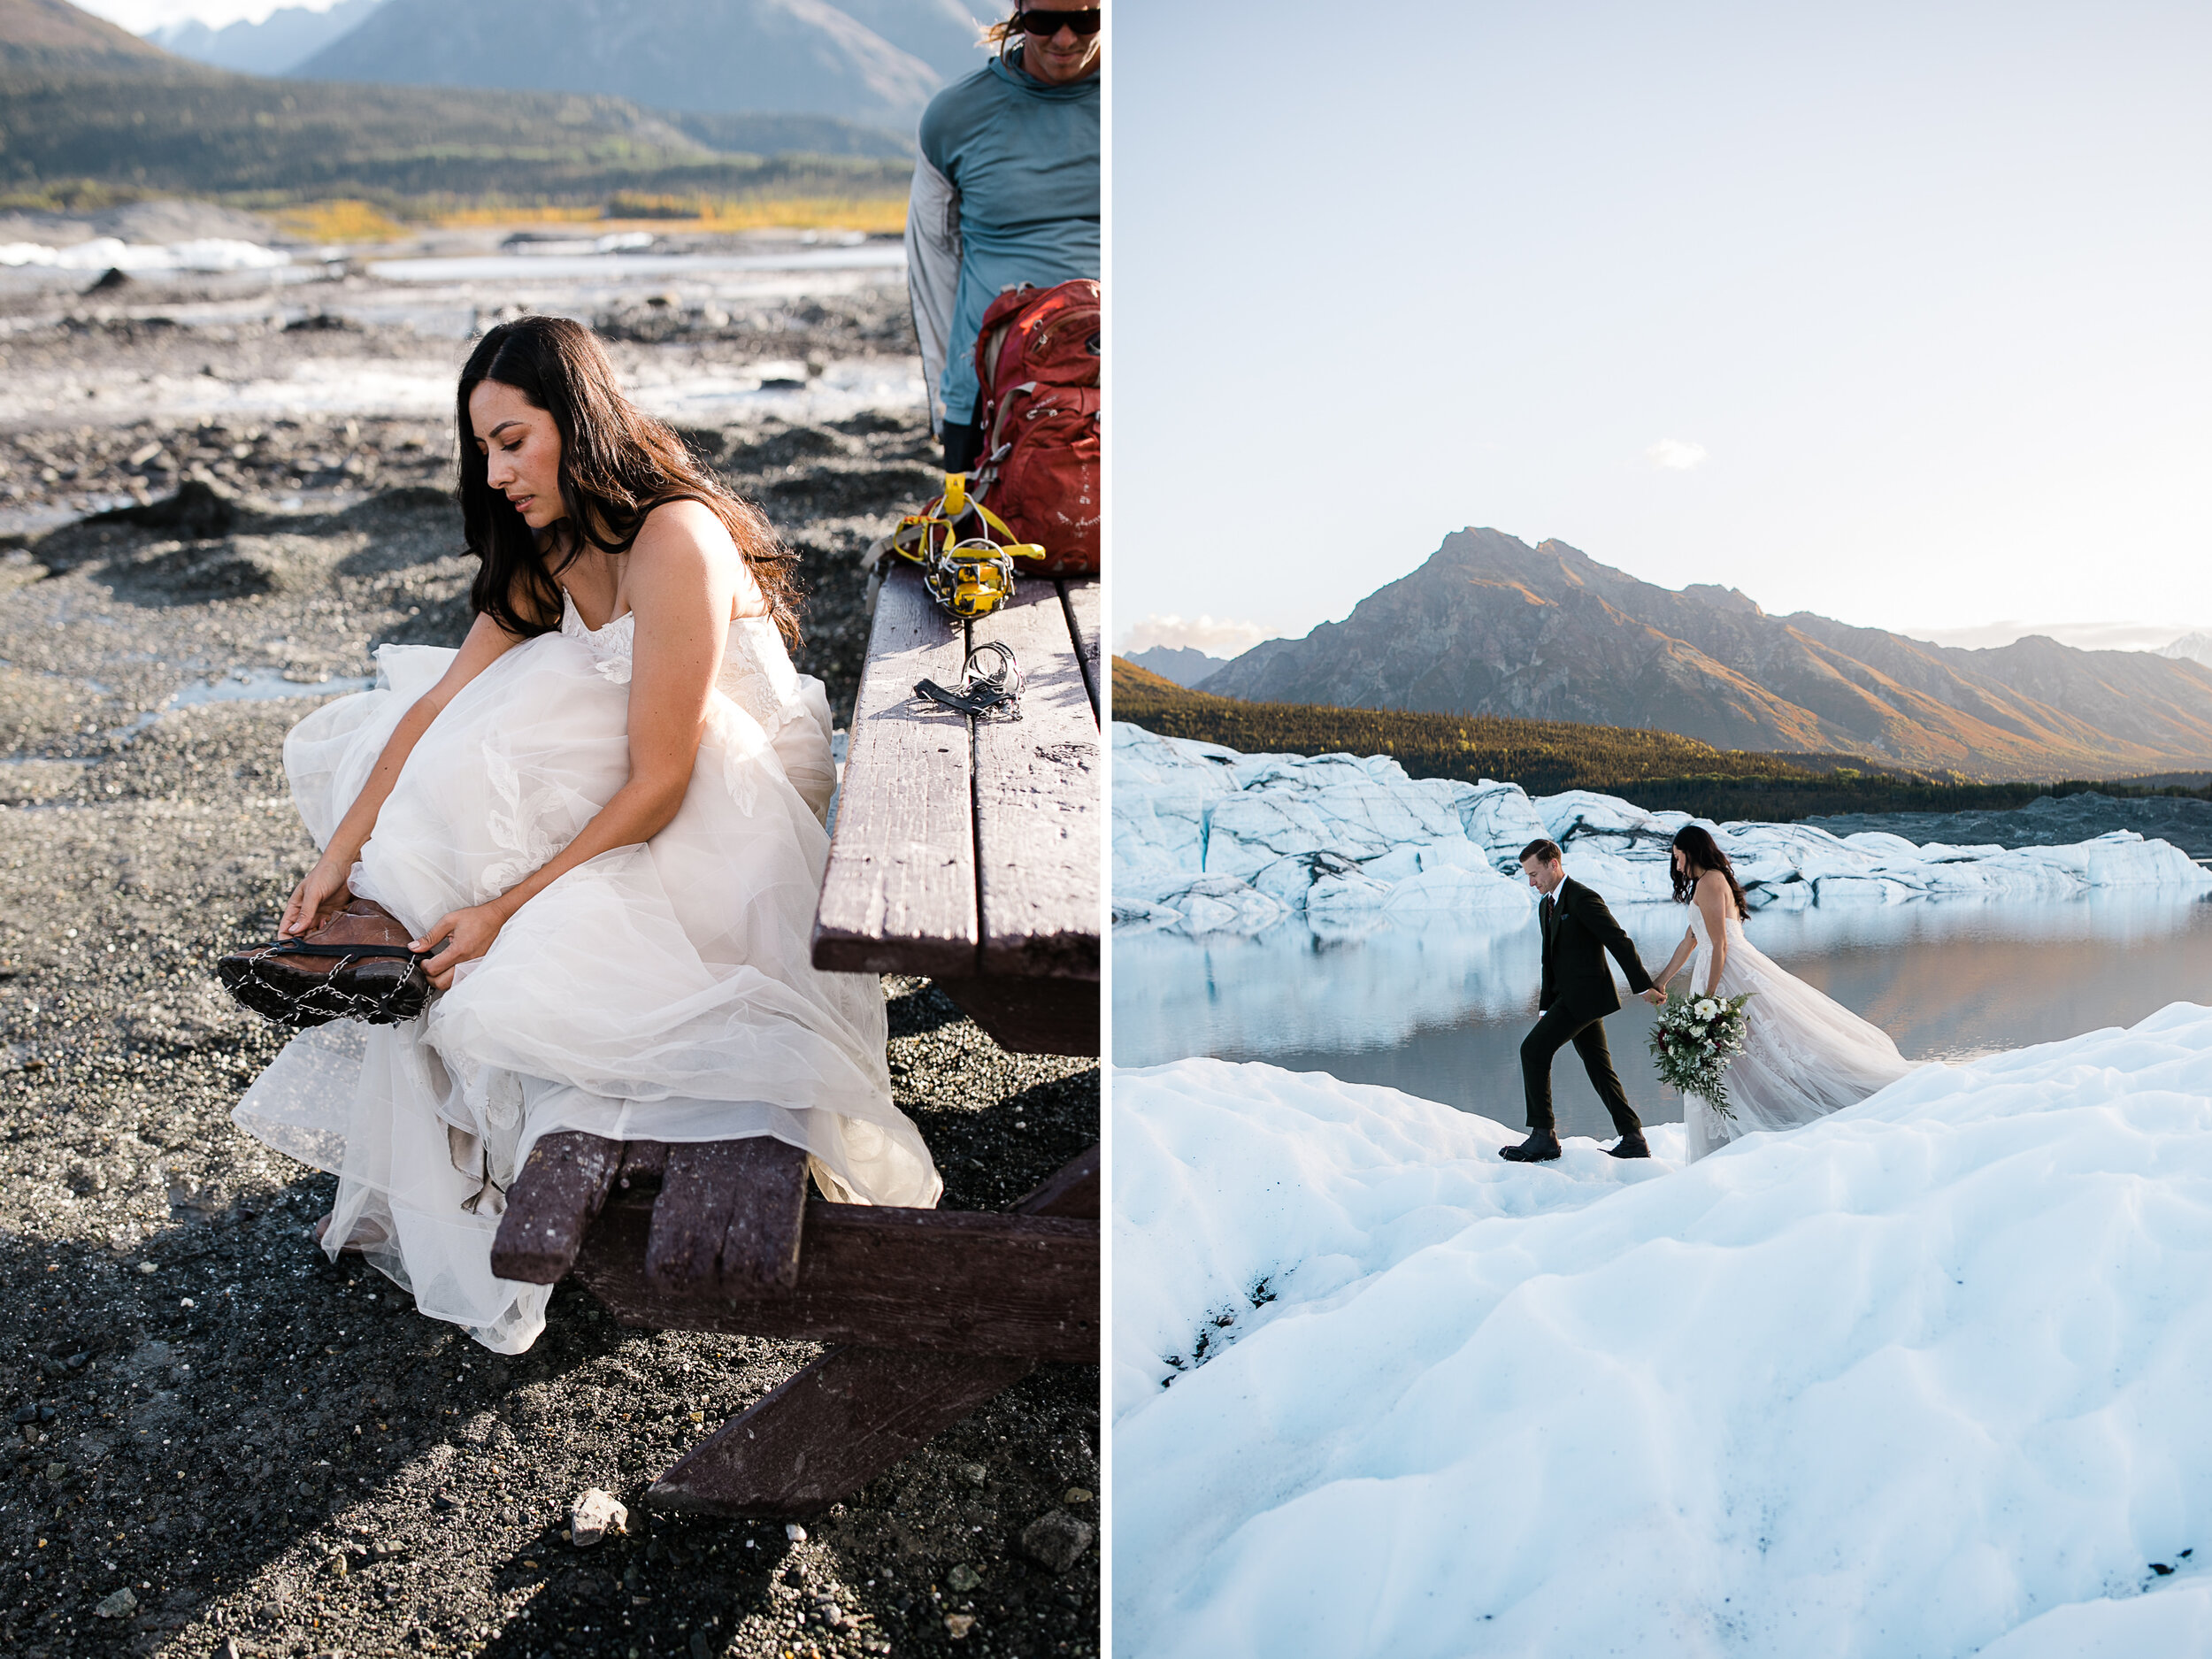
x=2048 y=821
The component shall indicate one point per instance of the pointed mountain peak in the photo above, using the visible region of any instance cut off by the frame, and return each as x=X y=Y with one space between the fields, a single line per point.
x=1732 y=599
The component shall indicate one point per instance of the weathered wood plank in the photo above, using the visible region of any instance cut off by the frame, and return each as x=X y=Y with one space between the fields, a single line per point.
x=1072 y=1192
x=561 y=1187
x=1080 y=597
x=1037 y=805
x=951 y=1281
x=900 y=893
x=852 y=1413
x=1030 y=1016
x=728 y=1219
x=829 y=1431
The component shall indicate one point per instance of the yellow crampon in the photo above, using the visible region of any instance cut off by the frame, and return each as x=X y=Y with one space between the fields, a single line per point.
x=969 y=576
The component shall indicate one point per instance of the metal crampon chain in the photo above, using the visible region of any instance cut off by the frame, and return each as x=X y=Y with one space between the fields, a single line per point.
x=317 y=1003
x=991 y=683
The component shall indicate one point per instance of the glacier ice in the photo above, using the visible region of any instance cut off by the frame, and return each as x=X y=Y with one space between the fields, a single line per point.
x=1925 y=1376
x=1209 y=840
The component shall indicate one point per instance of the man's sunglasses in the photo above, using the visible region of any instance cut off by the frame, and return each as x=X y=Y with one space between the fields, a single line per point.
x=1036 y=22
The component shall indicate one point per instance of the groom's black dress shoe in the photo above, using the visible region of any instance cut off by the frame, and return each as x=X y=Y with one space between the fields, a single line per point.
x=1541 y=1147
x=1631 y=1146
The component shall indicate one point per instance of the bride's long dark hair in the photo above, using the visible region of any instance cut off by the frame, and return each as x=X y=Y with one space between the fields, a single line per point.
x=617 y=464
x=1701 y=853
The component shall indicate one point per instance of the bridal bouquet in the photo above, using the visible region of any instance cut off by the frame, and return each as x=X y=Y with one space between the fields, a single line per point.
x=1693 y=1040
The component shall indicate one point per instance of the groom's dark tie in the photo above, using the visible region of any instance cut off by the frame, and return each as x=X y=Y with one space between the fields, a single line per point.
x=1543 y=916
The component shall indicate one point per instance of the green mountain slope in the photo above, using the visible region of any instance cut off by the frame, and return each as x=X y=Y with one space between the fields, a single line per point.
x=1659 y=771
x=51 y=37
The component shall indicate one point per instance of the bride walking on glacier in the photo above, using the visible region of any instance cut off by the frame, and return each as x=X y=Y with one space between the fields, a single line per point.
x=604 y=814
x=1805 y=1054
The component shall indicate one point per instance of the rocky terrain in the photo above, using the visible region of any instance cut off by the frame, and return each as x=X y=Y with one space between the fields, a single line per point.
x=1491 y=626
x=220 y=1442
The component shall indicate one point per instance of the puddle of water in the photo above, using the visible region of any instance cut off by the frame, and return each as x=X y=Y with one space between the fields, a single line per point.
x=1437 y=1006
x=242 y=685
x=30 y=520
x=261 y=685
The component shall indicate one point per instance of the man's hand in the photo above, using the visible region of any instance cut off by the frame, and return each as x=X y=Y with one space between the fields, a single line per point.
x=1657 y=997
x=467 y=934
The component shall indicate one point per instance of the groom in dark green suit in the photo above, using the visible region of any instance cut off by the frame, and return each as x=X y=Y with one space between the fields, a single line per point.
x=1578 y=993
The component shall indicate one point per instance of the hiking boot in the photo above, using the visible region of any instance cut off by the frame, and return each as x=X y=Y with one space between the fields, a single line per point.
x=1541 y=1147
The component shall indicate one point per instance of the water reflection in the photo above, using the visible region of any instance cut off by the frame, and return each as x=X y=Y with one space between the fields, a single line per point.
x=1437 y=1006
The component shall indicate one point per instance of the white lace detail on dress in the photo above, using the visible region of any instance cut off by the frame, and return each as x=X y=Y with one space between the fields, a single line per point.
x=756 y=671
x=611 y=648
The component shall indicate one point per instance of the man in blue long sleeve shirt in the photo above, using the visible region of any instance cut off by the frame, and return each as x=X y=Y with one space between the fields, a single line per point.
x=1006 y=191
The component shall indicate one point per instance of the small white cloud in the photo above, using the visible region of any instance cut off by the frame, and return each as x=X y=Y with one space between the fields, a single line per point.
x=1676 y=455
x=1197 y=633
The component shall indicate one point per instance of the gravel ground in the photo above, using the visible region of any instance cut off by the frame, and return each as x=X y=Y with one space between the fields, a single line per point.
x=273 y=1455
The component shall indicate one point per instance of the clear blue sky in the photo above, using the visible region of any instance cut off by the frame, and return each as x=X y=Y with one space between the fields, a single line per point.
x=1894 y=312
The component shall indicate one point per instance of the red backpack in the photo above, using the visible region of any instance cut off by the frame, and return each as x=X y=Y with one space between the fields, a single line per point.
x=1036 y=361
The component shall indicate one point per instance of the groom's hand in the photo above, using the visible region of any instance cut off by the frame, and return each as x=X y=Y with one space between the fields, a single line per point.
x=1655 y=997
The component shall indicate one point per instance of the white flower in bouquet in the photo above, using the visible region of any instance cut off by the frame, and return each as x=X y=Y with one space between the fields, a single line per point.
x=1694 y=1039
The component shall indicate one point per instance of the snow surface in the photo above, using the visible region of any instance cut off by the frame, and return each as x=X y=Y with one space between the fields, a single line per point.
x=1924 y=1378
x=1206 y=840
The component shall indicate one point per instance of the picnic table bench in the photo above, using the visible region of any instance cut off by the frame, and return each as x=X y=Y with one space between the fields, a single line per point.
x=966 y=850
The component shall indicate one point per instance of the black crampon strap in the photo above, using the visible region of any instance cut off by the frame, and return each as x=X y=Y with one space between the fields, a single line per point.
x=308 y=947
x=978 y=703
x=985 y=693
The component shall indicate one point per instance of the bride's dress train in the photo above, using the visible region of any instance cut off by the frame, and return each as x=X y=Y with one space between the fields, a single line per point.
x=1806 y=1055
x=658 y=992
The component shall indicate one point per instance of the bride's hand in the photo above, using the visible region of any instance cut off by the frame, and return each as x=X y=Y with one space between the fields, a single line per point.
x=322 y=890
x=1657 y=997
x=467 y=934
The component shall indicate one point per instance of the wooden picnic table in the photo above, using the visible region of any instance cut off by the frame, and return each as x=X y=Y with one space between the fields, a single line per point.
x=967 y=849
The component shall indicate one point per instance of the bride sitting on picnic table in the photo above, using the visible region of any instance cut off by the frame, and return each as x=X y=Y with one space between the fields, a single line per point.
x=604 y=813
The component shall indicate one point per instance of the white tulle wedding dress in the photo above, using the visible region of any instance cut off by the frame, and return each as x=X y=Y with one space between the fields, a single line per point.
x=1805 y=1054
x=659 y=992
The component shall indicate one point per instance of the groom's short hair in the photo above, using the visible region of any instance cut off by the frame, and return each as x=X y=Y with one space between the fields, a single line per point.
x=1544 y=850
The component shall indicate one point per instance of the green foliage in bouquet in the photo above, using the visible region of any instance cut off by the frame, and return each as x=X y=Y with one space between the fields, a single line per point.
x=1694 y=1039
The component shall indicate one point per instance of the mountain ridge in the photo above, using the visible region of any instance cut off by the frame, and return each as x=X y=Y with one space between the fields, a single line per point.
x=1178 y=665
x=1489 y=625
x=271 y=46
x=791 y=57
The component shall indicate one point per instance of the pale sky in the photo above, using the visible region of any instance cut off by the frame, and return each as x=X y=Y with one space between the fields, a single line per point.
x=1894 y=312
x=141 y=17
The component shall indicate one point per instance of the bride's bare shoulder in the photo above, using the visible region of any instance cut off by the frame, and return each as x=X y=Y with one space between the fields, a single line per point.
x=687 y=540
